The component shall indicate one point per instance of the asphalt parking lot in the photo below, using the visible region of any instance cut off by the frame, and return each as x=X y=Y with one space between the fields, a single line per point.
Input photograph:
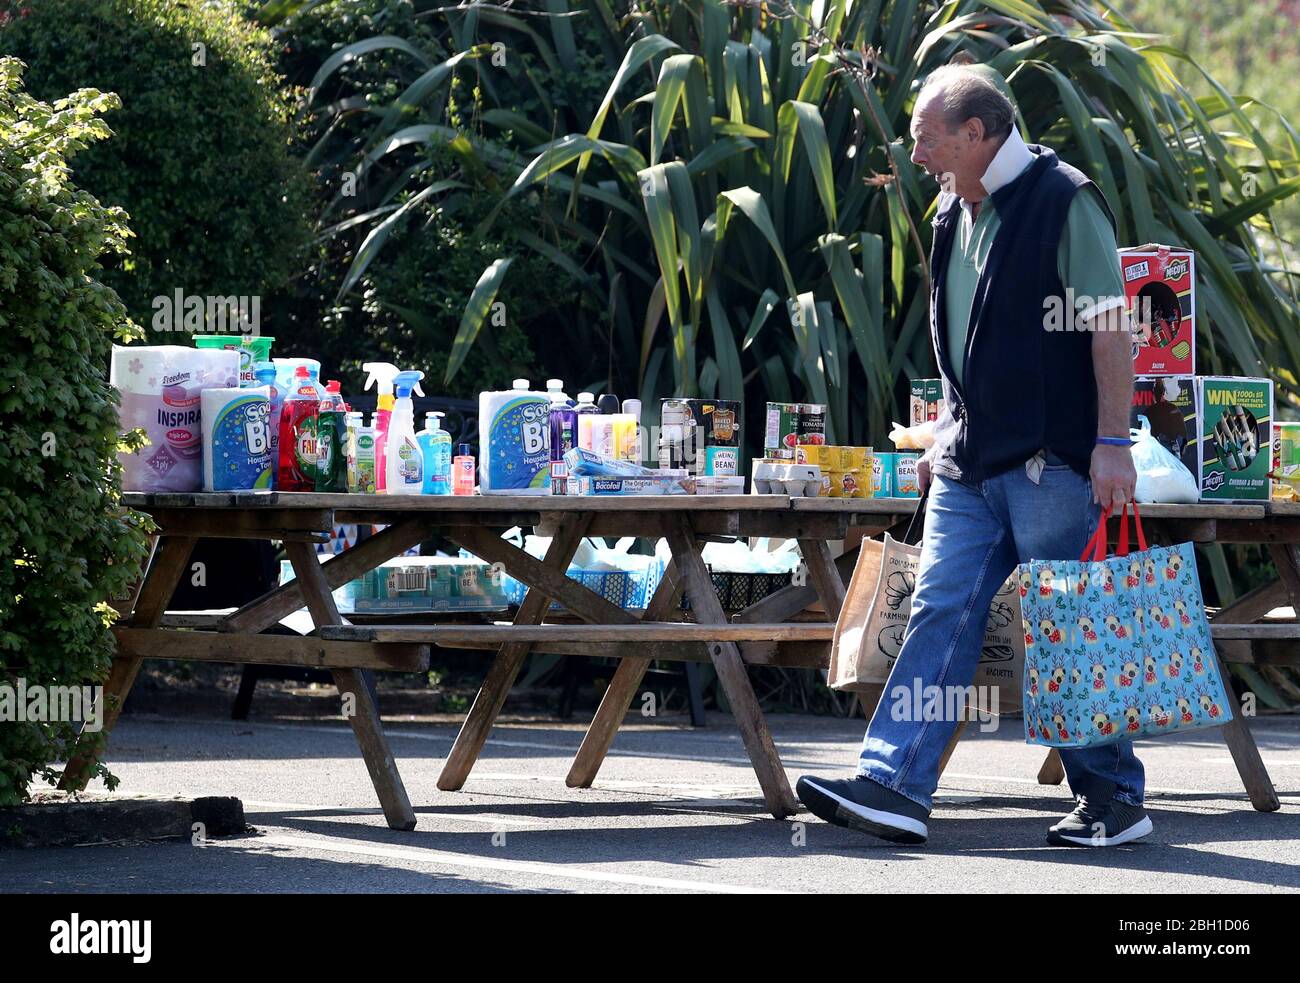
x=674 y=809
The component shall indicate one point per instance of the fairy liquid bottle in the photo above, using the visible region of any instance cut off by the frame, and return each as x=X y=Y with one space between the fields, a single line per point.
x=299 y=415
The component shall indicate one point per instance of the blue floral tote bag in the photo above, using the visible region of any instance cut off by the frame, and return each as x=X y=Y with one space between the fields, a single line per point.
x=1118 y=647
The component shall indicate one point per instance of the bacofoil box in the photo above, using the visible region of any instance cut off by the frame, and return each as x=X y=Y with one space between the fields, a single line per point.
x=1235 y=438
x=1169 y=404
x=1160 y=288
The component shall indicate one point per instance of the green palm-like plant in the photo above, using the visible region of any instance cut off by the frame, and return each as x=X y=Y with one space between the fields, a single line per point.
x=742 y=194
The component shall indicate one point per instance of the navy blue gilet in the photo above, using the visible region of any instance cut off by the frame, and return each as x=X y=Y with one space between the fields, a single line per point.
x=1025 y=387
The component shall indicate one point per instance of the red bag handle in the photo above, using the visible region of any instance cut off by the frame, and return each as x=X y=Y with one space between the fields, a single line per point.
x=1121 y=548
x=1096 y=548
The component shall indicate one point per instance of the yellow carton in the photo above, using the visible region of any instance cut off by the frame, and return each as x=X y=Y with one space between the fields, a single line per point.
x=825 y=456
x=854 y=458
x=847 y=484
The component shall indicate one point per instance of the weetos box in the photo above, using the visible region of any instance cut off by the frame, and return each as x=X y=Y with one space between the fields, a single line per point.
x=1170 y=405
x=1160 y=286
x=1235 y=438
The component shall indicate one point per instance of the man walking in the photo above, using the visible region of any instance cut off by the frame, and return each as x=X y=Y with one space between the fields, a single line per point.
x=1032 y=438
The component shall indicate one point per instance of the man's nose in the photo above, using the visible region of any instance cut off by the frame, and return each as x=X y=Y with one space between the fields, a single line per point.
x=918 y=157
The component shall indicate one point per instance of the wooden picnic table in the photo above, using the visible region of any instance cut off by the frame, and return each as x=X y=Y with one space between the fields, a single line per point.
x=761 y=634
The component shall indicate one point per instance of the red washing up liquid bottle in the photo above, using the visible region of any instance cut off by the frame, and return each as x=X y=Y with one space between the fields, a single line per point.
x=298 y=419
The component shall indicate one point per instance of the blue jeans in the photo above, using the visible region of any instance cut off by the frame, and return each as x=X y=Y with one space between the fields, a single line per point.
x=975 y=534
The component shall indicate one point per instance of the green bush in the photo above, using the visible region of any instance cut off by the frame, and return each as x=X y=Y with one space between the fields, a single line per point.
x=201 y=158
x=66 y=544
x=407 y=305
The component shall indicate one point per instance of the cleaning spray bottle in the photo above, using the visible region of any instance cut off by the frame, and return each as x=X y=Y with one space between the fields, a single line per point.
x=381 y=375
x=435 y=443
x=403 y=459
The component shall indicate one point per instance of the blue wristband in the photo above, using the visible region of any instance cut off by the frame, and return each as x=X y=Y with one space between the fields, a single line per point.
x=1115 y=441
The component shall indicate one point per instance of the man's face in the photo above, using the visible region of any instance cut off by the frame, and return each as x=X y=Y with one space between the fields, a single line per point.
x=944 y=150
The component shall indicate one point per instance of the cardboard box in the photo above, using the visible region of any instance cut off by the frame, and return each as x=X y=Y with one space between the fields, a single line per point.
x=927 y=394
x=1286 y=455
x=847 y=484
x=631 y=486
x=1235 y=438
x=1160 y=287
x=421 y=583
x=825 y=456
x=687 y=427
x=1170 y=405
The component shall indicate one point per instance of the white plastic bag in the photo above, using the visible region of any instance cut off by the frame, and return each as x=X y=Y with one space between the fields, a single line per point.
x=1161 y=477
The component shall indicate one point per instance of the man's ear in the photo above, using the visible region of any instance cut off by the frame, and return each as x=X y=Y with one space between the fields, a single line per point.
x=974 y=130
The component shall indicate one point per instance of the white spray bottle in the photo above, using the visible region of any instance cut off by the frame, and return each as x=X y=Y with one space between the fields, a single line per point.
x=404 y=460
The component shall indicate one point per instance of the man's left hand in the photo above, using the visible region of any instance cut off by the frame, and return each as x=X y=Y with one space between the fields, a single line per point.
x=1114 y=479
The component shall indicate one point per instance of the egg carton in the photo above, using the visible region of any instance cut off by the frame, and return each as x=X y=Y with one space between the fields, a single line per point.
x=783 y=478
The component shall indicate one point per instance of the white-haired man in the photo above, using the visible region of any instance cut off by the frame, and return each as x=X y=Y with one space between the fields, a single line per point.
x=1032 y=439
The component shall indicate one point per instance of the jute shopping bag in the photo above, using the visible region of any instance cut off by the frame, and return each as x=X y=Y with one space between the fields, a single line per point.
x=878 y=603
x=1119 y=648
x=873 y=619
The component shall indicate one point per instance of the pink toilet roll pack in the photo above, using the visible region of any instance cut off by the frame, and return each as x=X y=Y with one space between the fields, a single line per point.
x=160 y=387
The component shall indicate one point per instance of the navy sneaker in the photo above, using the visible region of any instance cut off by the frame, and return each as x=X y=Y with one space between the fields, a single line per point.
x=1094 y=822
x=865 y=805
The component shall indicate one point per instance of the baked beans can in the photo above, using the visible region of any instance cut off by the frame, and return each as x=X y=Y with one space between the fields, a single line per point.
x=905 y=481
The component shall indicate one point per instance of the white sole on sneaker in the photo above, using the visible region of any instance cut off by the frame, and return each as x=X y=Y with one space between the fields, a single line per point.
x=874 y=817
x=1135 y=831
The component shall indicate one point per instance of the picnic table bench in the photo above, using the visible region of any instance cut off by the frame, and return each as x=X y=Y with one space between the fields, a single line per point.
x=760 y=634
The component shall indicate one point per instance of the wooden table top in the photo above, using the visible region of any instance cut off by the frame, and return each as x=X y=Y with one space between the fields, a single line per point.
x=627 y=503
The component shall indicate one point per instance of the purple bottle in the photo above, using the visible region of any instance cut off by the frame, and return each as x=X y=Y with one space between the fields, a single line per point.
x=563 y=421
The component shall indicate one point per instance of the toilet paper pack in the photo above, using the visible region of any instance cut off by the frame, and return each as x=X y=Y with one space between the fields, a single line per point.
x=160 y=387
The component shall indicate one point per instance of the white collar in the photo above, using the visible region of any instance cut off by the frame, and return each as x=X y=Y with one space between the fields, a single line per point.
x=1007 y=164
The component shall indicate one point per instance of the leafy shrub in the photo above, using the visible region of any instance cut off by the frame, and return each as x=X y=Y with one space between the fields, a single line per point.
x=66 y=544
x=201 y=158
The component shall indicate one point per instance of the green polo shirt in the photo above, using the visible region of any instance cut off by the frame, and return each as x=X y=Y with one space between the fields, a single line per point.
x=1087 y=260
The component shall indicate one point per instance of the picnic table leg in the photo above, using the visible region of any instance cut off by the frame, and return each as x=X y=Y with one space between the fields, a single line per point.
x=1236 y=733
x=364 y=719
x=166 y=567
x=621 y=690
x=824 y=574
x=509 y=659
x=731 y=671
